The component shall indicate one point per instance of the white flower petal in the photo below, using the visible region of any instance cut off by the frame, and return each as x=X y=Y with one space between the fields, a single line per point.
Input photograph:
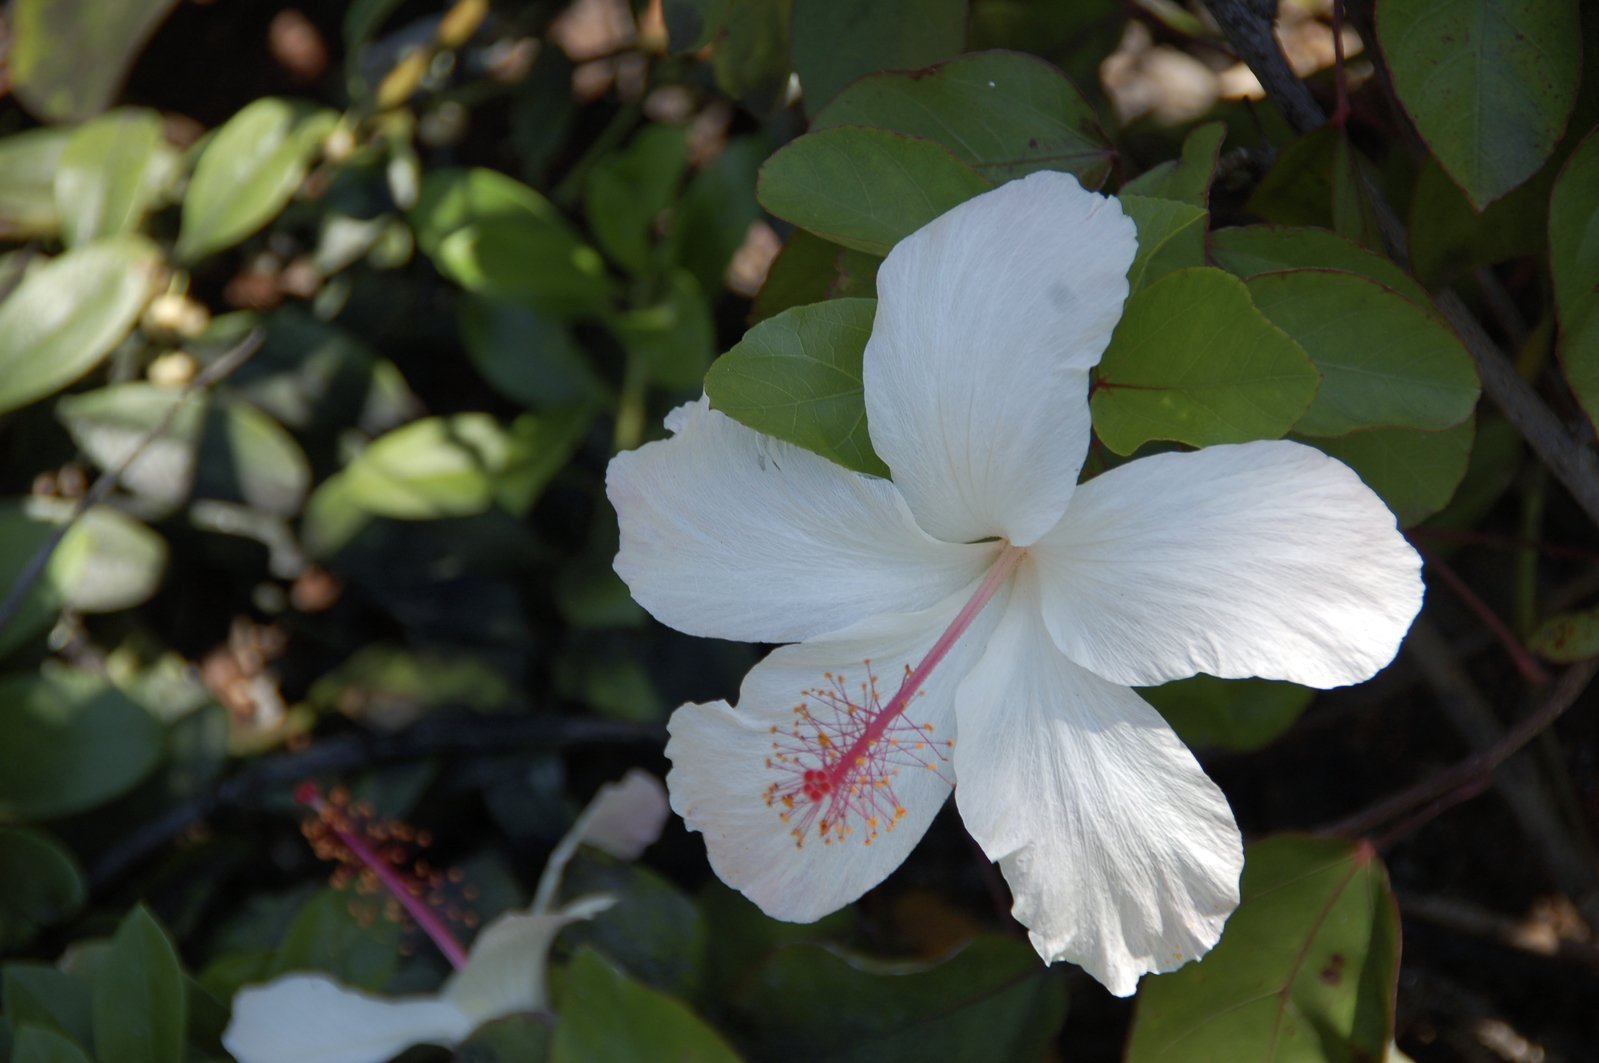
x=1122 y=855
x=730 y=534
x=988 y=319
x=625 y=817
x=504 y=974
x=1267 y=559
x=724 y=762
x=313 y=1019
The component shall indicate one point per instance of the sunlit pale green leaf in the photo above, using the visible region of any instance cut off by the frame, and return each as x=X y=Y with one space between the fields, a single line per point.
x=991 y=999
x=606 y=1017
x=141 y=1004
x=1383 y=360
x=1186 y=179
x=111 y=171
x=44 y=886
x=1003 y=113
x=248 y=172
x=1488 y=83
x=836 y=41
x=67 y=314
x=68 y=57
x=108 y=561
x=1305 y=972
x=1239 y=714
x=1171 y=236
x=1574 y=264
x=72 y=742
x=1193 y=361
x=28 y=165
x=864 y=188
x=1416 y=472
x=797 y=376
x=496 y=236
x=212 y=449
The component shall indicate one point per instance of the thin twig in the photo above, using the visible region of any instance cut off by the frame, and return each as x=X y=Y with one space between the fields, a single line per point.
x=1574 y=463
x=1530 y=669
x=345 y=753
x=102 y=487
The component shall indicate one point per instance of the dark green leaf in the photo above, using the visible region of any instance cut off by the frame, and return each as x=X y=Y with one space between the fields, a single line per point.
x=248 y=172
x=72 y=742
x=1488 y=83
x=811 y=270
x=67 y=314
x=515 y=1039
x=1193 y=361
x=1003 y=113
x=1251 y=250
x=751 y=61
x=44 y=996
x=990 y=1000
x=1188 y=178
x=1305 y=972
x=1171 y=236
x=606 y=1017
x=1315 y=182
x=836 y=41
x=111 y=171
x=864 y=188
x=528 y=356
x=68 y=57
x=1574 y=265
x=44 y=886
x=1384 y=361
x=38 y=1045
x=627 y=191
x=675 y=339
x=1238 y=714
x=1449 y=238
x=653 y=930
x=690 y=24
x=797 y=376
x=327 y=936
x=141 y=1002
x=496 y=236
x=1416 y=472
x=714 y=216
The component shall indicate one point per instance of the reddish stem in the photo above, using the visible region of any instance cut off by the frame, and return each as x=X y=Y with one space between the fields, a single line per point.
x=1530 y=669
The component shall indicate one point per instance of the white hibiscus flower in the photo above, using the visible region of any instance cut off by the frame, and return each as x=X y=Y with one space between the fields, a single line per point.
x=977 y=622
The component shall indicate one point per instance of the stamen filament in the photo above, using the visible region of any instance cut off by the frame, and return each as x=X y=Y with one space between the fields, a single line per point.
x=308 y=794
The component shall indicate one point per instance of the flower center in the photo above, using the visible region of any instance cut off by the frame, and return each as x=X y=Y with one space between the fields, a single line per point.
x=843 y=750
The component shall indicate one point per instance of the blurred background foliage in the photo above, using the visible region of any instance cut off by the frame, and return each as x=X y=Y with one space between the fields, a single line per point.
x=320 y=320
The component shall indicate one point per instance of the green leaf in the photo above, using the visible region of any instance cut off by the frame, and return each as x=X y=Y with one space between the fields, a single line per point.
x=654 y=931
x=1383 y=360
x=460 y=465
x=68 y=57
x=1193 y=361
x=712 y=220
x=1416 y=472
x=1186 y=179
x=1488 y=83
x=751 y=59
x=1171 y=236
x=326 y=936
x=864 y=188
x=112 y=169
x=527 y=356
x=28 y=165
x=1236 y=714
x=46 y=997
x=493 y=235
x=690 y=24
x=248 y=172
x=1567 y=637
x=797 y=376
x=212 y=448
x=72 y=742
x=606 y=1017
x=141 y=1002
x=37 y=1045
x=1574 y=265
x=1449 y=238
x=67 y=314
x=992 y=999
x=1250 y=250
x=44 y=886
x=1306 y=969
x=675 y=339
x=626 y=192
x=1315 y=182
x=1005 y=114
x=836 y=41
x=811 y=270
